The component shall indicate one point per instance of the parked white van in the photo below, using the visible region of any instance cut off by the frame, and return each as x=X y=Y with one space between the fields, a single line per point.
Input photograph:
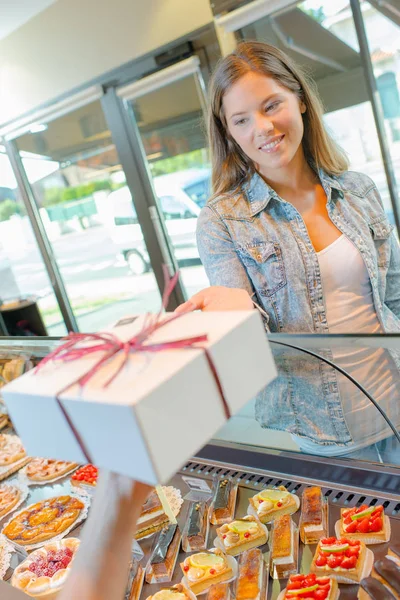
x=180 y=212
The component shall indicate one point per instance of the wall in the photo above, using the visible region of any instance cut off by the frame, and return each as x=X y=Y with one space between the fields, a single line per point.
x=74 y=41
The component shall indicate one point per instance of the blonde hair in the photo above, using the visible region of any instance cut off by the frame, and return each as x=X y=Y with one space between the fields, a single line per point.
x=230 y=166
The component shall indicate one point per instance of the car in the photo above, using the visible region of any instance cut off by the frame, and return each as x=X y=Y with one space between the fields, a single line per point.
x=180 y=197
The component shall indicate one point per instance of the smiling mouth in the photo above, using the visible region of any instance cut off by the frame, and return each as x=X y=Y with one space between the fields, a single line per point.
x=272 y=145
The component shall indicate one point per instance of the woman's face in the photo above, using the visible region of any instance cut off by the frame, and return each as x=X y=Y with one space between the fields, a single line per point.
x=265 y=120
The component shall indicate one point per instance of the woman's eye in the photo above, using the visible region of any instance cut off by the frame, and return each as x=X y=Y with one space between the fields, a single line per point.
x=271 y=106
x=241 y=122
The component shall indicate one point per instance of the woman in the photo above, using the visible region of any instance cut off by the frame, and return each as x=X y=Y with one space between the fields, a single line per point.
x=289 y=226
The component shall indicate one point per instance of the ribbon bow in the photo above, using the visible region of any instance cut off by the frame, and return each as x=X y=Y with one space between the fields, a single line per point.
x=109 y=345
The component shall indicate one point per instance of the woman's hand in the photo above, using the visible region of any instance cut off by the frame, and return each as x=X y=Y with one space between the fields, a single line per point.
x=217 y=298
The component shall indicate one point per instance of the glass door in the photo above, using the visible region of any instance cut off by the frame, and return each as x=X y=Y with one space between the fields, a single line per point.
x=87 y=211
x=167 y=111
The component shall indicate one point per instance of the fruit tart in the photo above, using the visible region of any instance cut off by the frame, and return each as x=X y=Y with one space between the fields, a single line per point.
x=311 y=587
x=284 y=548
x=314 y=516
x=343 y=559
x=177 y=592
x=11 y=450
x=41 y=470
x=251 y=576
x=163 y=559
x=366 y=523
x=242 y=534
x=10 y=495
x=85 y=477
x=269 y=504
x=41 y=521
x=204 y=569
x=44 y=572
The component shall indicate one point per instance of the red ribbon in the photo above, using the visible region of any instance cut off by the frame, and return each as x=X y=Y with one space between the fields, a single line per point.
x=111 y=346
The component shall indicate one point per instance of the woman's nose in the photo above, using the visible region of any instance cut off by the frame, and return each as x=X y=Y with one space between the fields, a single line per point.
x=264 y=125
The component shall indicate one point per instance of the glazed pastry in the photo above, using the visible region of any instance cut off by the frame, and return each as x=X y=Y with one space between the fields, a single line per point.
x=242 y=534
x=251 y=575
x=9 y=497
x=270 y=504
x=224 y=502
x=177 y=592
x=44 y=572
x=285 y=548
x=219 y=591
x=85 y=477
x=341 y=559
x=314 y=516
x=152 y=518
x=204 y=569
x=11 y=449
x=366 y=523
x=43 y=520
x=46 y=469
x=194 y=537
x=311 y=587
x=163 y=559
x=135 y=581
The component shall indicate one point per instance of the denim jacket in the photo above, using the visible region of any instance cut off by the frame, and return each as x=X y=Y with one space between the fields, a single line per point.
x=257 y=241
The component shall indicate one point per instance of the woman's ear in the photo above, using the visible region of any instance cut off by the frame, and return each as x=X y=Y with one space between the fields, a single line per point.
x=303 y=108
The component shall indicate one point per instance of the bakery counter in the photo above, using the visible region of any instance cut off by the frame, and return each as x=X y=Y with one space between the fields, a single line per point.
x=262 y=471
x=253 y=480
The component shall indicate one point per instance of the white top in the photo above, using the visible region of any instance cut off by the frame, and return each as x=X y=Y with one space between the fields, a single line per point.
x=350 y=309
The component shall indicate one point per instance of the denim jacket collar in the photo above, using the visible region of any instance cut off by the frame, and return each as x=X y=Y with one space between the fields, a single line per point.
x=259 y=193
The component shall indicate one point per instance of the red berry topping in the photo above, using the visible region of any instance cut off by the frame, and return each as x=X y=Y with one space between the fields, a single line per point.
x=349 y=563
x=321 y=594
x=279 y=504
x=376 y=524
x=321 y=561
x=212 y=571
x=335 y=560
x=223 y=537
x=351 y=527
x=247 y=534
x=328 y=541
x=186 y=568
x=363 y=525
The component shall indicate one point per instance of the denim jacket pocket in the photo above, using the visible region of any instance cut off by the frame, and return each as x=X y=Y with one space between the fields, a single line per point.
x=381 y=231
x=265 y=266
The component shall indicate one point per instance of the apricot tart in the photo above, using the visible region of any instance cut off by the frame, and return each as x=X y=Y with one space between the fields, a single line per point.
x=43 y=520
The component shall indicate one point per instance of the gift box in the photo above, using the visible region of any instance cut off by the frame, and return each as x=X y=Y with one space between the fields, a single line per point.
x=153 y=403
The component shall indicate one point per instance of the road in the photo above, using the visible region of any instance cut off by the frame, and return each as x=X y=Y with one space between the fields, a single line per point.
x=93 y=270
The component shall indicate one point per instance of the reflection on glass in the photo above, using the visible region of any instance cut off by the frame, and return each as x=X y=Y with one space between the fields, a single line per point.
x=78 y=183
x=277 y=426
x=23 y=274
x=320 y=36
x=170 y=124
x=383 y=34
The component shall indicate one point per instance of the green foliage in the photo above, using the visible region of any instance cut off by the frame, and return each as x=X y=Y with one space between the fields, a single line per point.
x=193 y=159
x=8 y=208
x=316 y=13
x=79 y=192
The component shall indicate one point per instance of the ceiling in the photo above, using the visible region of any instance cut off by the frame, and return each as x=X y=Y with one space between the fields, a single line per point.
x=15 y=13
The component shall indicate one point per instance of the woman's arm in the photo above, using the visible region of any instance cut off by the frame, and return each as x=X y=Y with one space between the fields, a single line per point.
x=100 y=569
x=218 y=254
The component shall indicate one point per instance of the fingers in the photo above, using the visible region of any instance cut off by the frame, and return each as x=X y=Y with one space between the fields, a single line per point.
x=196 y=302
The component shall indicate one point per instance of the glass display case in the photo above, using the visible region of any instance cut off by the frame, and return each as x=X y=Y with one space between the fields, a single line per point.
x=264 y=447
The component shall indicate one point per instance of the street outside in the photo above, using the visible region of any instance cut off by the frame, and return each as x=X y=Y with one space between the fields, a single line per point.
x=99 y=283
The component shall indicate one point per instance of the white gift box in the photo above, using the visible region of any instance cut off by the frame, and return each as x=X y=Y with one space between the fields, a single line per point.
x=159 y=410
